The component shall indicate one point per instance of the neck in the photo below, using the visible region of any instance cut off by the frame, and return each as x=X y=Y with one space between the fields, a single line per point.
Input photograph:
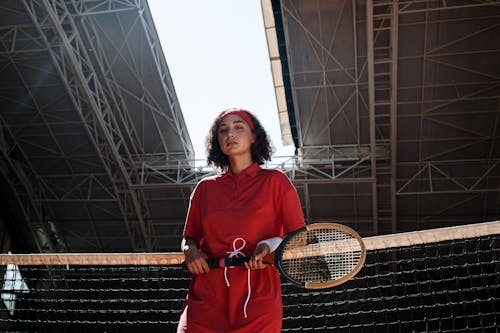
x=239 y=164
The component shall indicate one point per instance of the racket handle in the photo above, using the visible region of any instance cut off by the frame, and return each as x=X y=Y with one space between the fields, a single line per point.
x=227 y=262
x=236 y=261
x=231 y=262
x=222 y=262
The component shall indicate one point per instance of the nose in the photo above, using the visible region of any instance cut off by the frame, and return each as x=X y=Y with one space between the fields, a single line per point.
x=231 y=133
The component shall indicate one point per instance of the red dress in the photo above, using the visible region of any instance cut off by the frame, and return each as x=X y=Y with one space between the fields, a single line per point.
x=228 y=215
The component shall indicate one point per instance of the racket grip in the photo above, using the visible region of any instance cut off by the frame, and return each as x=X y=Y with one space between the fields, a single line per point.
x=222 y=262
x=226 y=262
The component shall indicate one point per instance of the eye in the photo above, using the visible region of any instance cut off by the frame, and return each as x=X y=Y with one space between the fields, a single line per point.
x=223 y=130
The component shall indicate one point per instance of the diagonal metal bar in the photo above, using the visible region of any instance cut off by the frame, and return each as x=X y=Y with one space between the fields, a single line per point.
x=54 y=21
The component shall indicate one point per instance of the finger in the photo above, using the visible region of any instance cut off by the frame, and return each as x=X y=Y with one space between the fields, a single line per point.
x=200 y=269
x=250 y=264
x=259 y=256
x=192 y=268
x=255 y=263
x=204 y=266
x=261 y=251
x=198 y=266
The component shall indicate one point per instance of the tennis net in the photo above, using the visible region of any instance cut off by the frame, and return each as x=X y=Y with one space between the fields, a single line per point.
x=440 y=280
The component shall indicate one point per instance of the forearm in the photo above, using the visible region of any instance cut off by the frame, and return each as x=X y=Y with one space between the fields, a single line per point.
x=194 y=257
x=188 y=243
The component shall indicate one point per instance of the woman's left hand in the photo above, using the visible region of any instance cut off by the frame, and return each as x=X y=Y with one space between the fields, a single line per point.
x=259 y=253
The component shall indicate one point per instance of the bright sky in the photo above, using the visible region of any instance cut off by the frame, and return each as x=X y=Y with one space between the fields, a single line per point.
x=217 y=56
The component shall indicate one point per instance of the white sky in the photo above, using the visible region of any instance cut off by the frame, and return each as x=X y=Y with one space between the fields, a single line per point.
x=217 y=56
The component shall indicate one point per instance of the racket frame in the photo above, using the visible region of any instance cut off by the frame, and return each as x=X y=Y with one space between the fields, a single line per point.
x=278 y=262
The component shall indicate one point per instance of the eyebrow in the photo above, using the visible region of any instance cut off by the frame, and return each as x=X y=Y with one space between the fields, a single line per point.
x=233 y=122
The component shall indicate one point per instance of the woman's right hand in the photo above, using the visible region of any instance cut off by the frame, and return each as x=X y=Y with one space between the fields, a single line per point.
x=195 y=259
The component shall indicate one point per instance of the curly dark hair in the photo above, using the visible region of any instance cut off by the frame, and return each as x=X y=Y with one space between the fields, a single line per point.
x=261 y=149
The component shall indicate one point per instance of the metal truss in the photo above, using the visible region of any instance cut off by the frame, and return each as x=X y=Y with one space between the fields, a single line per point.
x=157 y=172
x=358 y=116
x=368 y=93
x=70 y=32
x=88 y=11
x=463 y=163
x=436 y=177
x=382 y=61
x=23 y=47
x=27 y=189
x=93 y=101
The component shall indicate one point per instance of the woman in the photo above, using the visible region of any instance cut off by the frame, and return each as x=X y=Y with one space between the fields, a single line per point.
x=242 y=212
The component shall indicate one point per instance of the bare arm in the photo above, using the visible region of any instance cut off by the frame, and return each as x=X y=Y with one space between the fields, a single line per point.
x=194 y=257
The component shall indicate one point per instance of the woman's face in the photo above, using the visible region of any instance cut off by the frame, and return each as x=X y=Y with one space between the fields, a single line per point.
x=235 y=136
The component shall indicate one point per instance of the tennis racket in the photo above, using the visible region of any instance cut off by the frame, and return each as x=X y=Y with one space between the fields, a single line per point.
x=317 y=256
x=320 y=255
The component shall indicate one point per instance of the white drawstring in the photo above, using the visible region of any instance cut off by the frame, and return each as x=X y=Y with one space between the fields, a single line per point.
x=236 y=252
x=248 y=294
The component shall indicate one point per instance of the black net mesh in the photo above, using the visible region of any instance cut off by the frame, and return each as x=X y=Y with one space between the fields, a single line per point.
x=450 y=286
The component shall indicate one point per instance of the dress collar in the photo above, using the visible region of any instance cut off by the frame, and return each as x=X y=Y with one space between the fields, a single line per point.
x=251 y=171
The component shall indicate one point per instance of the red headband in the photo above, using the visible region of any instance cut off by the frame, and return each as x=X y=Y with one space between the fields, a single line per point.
x=240 y=113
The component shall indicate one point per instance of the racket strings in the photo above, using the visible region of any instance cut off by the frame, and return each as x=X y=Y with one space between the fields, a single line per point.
x=321 y=255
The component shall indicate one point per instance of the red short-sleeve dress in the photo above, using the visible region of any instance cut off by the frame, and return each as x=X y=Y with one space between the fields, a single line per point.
x=228 y=215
